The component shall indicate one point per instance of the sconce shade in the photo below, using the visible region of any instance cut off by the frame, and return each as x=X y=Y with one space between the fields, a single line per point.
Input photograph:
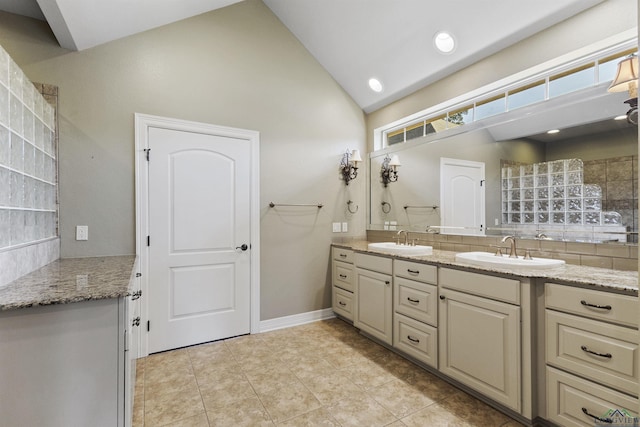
x=355 y=156
x=395 y=161
x=627 y=73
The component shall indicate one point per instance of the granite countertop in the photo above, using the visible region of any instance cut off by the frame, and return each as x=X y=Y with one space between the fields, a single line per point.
x=70 y=280
x=614 y=280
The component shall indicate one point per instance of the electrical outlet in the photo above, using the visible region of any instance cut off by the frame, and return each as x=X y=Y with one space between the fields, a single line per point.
x=336 y=227
x=496 y=221
x=82 y=232
x=345 y=227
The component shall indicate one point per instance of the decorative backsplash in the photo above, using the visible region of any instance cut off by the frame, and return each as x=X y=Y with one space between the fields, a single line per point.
x=28 y=172
x=553 y=196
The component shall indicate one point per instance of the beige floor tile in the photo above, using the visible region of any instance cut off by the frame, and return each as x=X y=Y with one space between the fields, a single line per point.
x=174 y=382
x=210 y=353
x=167 y=360
x=199 y=420
x=319 y=417
x=368 y=374
x=245 y=413
x=170 y=408
x=400 y=398
x=271 y=379
x=473 y=411
x=227 y=395
x=332 y=387
x=319 y=374
x=360 y=411
x=288 y=402
x=433 y=416
x=431 y=386
x=308 y=366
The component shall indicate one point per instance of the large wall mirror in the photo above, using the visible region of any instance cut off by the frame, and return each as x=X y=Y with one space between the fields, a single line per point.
x=607 y=149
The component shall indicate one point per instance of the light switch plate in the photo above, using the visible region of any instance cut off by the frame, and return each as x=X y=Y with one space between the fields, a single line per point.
x=345 y=227
x=82 y=232
x=336 y=227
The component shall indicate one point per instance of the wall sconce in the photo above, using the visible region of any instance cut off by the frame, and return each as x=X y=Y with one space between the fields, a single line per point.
x=349 y=165
x=389 y=172
x=627 y=80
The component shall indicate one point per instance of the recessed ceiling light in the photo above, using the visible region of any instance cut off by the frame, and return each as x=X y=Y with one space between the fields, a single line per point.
x=623 y=117
x=552 y=131
x=375 y=85
x=444 y=42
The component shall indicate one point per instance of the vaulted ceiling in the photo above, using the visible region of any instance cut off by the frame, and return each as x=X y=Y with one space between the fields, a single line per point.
x=354 y=40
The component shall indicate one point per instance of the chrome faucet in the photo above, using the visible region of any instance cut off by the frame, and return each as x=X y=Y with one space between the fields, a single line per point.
x=406 y=236
x=512 y=240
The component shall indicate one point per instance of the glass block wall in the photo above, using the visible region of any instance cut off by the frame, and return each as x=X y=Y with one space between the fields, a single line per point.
x=28 y=174
x=552 y=195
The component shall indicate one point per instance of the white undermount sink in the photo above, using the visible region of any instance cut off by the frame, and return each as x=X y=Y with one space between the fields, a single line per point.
x=395 y=249
x=487 y=259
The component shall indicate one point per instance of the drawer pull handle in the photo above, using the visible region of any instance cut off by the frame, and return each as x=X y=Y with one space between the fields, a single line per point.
x=602 y=307
x=586 y=350
x=342 y=303
x=602 y=420
x=412 y=339
x=343 y=255
x=415 y=301
x=343 y=276
x=413 y=271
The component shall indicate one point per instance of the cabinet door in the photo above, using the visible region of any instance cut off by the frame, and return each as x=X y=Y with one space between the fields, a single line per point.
x=479 y=345
x=374 y=309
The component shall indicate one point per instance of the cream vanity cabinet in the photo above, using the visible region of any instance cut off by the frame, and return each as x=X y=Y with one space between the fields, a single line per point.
x=415 y=305
x=481 y=336
x=343 y=281
x=373 y=310
x=591 y=355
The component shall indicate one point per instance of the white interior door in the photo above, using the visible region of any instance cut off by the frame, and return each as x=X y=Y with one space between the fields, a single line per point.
x=462 y=197
x=199 y=219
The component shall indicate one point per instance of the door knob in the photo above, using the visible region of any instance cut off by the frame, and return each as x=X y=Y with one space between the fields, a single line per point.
x=243 y=248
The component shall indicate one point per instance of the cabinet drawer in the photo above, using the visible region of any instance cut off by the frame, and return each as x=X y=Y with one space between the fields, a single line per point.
x=416 y=339
x=343 y=275
x=343 y=303
x=570 y=399
x=599 y=351
x=374 y=263
x=498 y=288
x=416 y=271
x=622 y=309
x=416 y=300
x=342 y=254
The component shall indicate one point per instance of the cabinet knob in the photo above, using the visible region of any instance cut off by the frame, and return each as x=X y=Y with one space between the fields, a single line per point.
x=442 y=297
x=387 y=282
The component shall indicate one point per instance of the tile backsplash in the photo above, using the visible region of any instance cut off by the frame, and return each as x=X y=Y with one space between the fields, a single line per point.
x=28 y=173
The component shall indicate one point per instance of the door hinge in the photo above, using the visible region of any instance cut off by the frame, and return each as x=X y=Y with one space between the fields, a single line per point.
x=148 y=240
x=148 y=325
x=147 y=151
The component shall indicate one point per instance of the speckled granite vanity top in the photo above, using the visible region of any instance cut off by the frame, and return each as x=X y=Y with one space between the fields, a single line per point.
x=614 y=280
x=70 y=280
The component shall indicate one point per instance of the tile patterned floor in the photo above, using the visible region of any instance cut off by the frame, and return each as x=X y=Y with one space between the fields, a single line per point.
x=319 y=374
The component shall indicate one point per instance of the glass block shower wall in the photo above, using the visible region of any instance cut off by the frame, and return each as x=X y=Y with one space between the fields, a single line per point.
x=28 y=174
x=553 y=195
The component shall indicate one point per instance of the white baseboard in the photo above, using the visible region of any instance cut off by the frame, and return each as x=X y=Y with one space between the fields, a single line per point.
x=295 y=320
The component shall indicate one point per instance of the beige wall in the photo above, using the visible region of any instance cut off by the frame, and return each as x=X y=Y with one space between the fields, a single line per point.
x=238 y=66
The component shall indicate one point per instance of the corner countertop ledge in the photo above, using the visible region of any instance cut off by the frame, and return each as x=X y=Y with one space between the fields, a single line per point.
x=69 y=280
